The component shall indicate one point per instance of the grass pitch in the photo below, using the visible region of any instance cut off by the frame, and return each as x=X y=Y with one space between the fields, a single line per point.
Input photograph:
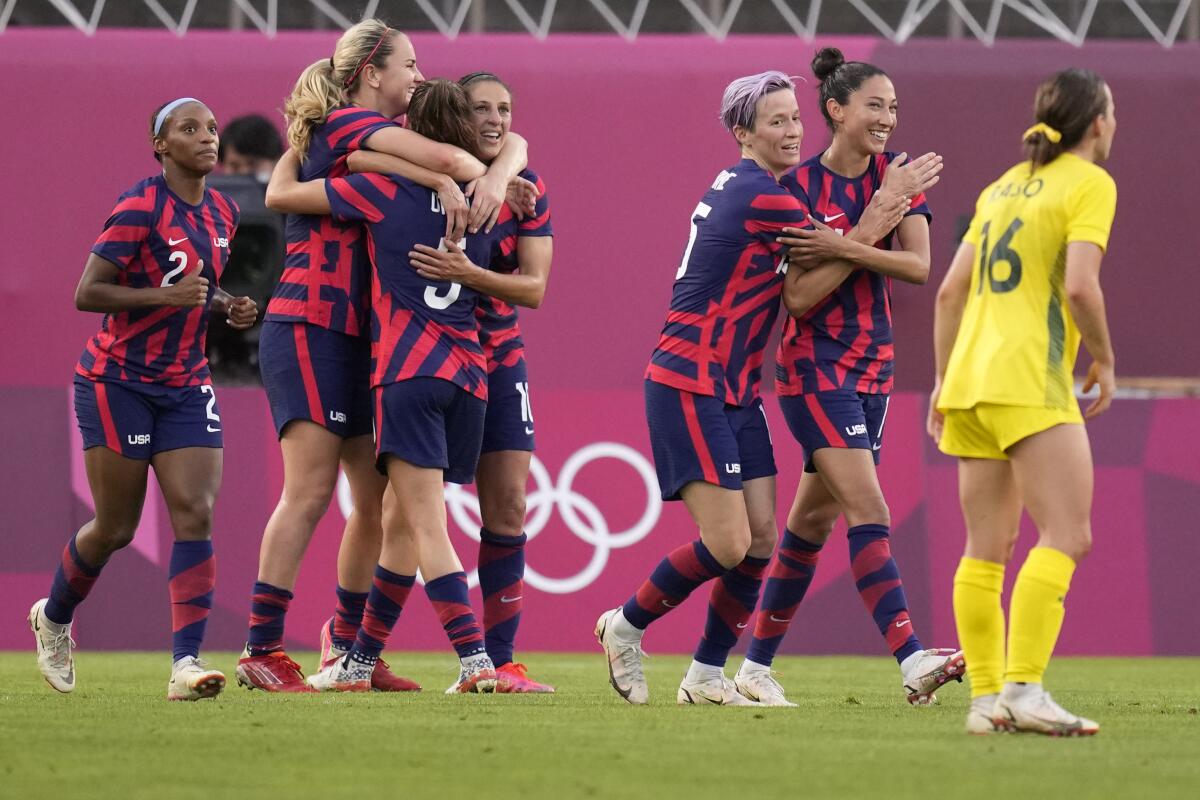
x=853 y=736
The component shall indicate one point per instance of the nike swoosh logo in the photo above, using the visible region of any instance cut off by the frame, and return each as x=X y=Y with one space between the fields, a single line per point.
x=835 y=216
x=902 y=623
x=777 y=619
x=173 y=242
x=504 y=599
x=741 y=624
x=528 y=431
x=211 y=429
x=670 y=604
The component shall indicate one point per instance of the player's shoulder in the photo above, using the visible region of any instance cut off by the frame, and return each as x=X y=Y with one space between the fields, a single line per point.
x=1082 y=171
x=343 y=115
x=142 y=196
x=744 y=182
x=224 y=203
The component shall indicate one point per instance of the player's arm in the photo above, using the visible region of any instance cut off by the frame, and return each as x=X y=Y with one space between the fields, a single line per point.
x=1086 y=301
x=909 y=264
x=434 y=156
x=490 y=192
x=525 y=287
x=290 y=195
x=240 y=312
x=809 y=282
x=99 y=291
x=947 y=316
x=451 y=197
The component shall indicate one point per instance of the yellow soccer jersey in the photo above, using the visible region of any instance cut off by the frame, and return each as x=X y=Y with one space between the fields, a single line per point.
x=1017 y=342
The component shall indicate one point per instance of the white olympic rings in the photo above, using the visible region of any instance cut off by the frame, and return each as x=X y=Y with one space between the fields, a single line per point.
x=582 y=517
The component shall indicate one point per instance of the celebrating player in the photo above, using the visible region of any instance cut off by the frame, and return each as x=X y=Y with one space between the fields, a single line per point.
x=429 y=388
x=708 y=431
x=834 y=372
x=143 y=396
x=314 y=351
x=517 y=275
x=1022 y=291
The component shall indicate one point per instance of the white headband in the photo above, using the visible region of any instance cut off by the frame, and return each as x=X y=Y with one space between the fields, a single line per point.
x=167 y=109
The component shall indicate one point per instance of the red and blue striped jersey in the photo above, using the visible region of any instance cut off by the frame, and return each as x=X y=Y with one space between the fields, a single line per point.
x=155 y=238
x=844 y=341
x=326 y=278
x=499 y=332
x=727 y=288
x=419 y=328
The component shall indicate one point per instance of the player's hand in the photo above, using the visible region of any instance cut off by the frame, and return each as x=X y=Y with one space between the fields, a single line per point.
x=522 y=197
x=189 y=291
x=458 y=210
x=808 y=247
x=486 y=193
x=936 y=420
x=883 y=214
x=914 y=177
x=1104 y=376
x=242 y=313
x=450 y=264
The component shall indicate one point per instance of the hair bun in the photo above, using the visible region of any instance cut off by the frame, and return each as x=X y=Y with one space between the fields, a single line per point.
x=826 y=61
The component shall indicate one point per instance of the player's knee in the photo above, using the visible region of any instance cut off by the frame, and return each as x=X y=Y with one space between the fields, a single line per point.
x=731 y=549
x=763 y=538
x=192 y=517
x=309 y=502
x=113 y=535
x=869 y=509
x=505 y=514
x=814 y=526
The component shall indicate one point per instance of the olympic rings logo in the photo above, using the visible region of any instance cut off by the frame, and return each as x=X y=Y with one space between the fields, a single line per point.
x=582 y=517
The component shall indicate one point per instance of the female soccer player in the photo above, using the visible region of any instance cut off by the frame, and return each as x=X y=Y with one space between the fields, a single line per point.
x=143 y=396
x=834 y=373
x=707 y=428
x=517 y=275
x=1022 y=291
x=314 y=352
x=429 y=388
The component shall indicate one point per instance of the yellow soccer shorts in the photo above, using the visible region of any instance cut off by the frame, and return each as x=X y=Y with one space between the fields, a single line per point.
x=987 y=430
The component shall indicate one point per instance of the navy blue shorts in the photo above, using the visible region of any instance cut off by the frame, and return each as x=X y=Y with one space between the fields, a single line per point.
x=316 y=374
x=509 y=421
x=699 y=438
x=138 y=420
x=430 y=423
x=840 y=418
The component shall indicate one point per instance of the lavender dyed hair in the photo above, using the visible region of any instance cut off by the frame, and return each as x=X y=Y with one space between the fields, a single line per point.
x=739 y=106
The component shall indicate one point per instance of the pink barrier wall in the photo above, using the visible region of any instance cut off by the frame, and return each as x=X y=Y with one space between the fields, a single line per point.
x=626 y=138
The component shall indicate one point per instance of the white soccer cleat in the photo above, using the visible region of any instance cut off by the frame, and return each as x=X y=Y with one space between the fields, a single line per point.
x=624 y=661
x=929 y=671
x=979 y=717
x=478 y=674
x=715 y=691
x=761 y=687
x=1036 y=712
x=191 y=680
x=54 y=644
x=342 y=675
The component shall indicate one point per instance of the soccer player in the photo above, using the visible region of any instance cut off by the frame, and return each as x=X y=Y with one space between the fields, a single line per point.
x=708 y=431
x=143 y=396
x=429 y=390
x=517 y=275
x=1021 y=293
x=834 y=374
x=314 y=350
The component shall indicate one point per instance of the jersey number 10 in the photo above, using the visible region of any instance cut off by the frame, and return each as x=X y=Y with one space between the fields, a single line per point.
x=988 y=256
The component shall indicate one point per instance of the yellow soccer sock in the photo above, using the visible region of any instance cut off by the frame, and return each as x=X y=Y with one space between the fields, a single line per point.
x=980 y=621
x=1036 y=613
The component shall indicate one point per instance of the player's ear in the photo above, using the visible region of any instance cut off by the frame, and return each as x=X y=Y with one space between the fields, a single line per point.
x=160 y=145
x=741 y=134
x=837 y=112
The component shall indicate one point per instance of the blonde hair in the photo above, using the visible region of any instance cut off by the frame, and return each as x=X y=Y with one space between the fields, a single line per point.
x=328 y=83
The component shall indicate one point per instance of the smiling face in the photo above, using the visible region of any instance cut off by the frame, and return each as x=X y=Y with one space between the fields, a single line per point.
x=189 y=138
x=774 y=141
x=869 y=117
x=491 y=113
x=399 y=76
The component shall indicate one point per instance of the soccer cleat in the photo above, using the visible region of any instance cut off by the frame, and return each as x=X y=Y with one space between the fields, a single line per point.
x=624 y=661
x=382 y=679
x=931 y=670
x=343 y=675
x=191 y=680
x=761 y=687
x=715 y=691
x=979 y=717
x=274 y=672
x=54 y=644
x=478 y=675
x=1036 y=712
x=514 y=678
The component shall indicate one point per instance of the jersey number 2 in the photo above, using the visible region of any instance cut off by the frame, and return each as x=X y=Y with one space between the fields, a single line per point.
x=1001 y=252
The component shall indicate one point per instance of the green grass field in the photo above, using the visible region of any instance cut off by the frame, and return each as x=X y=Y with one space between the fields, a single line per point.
x=853 y=736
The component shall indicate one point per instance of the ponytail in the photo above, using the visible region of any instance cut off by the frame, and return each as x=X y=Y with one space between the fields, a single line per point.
x=313 y=98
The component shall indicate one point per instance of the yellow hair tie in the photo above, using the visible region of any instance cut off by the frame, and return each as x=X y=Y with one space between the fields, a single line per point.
x=1044 y=129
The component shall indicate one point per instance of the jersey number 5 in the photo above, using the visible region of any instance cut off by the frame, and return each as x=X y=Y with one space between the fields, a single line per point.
x=1001 y=252
x=444 y=301
x=701 y=212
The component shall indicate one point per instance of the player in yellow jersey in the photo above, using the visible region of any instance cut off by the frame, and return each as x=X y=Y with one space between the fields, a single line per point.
x=1021 y=293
